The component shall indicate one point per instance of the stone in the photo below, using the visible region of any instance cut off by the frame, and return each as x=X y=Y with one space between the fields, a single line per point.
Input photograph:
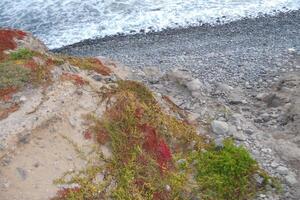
x=23 y=99
x=238 y=135
x=261 y=96
x=282 y=170
x=291 y=179
x=235 y=98
x=219 y=127
x=192 y=117
x=219 y=143
x=292 y=50
x=194 y=85
x=97 y=77
x=179 y=75
x=248 y=131
x=274 y=164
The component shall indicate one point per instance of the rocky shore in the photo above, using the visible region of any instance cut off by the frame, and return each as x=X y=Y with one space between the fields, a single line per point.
x=218 y=80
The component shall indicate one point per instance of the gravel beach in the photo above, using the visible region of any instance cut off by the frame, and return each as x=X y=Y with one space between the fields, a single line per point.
x=239 y=52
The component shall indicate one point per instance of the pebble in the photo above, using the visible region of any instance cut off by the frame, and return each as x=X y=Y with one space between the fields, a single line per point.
x=282 y=170
x=194 y=85
x=291 y=178
x=23 y=98
x=219 y=127
x=97 y=77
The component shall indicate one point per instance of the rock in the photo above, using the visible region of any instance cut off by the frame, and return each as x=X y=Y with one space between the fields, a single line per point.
x=97 y=77
x=224 y=88
x=273 y=100
x=24 y=139
x=291 y=179
x=292 y=50
x=235 y=98
x=265 y=117
x=239 y=136
x=22 y=173
x=259 y=179
x=282 y=170
x=23 y=99
x=192 y=117
x=219 y=127
x=168 y=188
x=248 y=131
x=194 y=85
x=274 y=164
x=219 y=143
x=261 y=96
x=247 y=85
x=178 y=75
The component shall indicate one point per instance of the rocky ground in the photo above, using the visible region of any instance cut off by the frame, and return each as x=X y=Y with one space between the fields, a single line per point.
x=264 y=119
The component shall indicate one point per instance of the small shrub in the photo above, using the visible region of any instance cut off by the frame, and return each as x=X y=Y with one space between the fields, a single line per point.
x=226 y=174
x=89 y=64
x=22 y=53
x=13 y=75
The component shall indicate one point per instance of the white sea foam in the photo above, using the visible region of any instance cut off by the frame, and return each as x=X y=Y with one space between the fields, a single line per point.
x=62 y=22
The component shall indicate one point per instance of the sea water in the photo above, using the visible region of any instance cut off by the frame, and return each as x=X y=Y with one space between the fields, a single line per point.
x=63 y=22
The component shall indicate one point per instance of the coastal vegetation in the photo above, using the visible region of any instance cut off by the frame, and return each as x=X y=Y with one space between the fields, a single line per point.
x=157 y=156
x=154 y=154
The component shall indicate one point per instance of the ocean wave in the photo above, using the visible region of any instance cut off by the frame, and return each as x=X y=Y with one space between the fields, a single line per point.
x=63 y=22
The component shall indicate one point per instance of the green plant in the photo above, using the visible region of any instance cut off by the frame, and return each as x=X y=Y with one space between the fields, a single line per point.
x=155 y=156
x=12 y=75
x=226 y=173
x=22 y=53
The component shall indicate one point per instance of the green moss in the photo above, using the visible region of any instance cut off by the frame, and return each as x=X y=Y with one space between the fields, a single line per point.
x=12 y=75
x=22 y=53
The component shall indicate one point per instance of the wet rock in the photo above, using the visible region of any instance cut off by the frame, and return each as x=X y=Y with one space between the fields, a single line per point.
x=219 y=127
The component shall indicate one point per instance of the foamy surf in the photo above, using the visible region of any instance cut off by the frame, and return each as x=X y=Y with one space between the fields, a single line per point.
x=63 y=22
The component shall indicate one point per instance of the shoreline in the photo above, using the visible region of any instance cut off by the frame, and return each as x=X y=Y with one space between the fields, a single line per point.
x=239 y=52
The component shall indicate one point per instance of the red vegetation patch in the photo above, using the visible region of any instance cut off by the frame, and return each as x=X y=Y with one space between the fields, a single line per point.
x=63 y=193
x=5 y=113
x=5 y=94
x=157 y=147
x=87 y=135
x=161 y=196
x=31 y=64
x=7 y=40
x=102 y=136
x=78 y=80
x=100 y=67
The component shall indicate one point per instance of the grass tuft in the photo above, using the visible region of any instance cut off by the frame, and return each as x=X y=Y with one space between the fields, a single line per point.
x=22 y=53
